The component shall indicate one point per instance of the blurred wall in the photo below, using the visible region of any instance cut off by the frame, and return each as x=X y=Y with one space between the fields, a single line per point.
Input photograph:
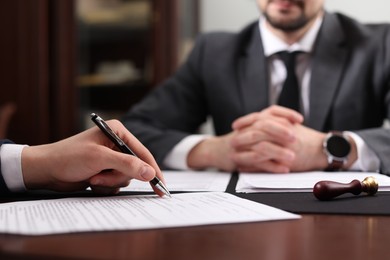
x=234 y=14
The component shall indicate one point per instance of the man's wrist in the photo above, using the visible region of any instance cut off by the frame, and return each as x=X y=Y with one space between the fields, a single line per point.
x=366 y=159
x=213 y=152
x=35 y=166
x=200 y=156
x=177 y=157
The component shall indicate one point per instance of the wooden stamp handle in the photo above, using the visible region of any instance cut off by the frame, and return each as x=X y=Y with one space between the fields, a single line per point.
x=326 y=190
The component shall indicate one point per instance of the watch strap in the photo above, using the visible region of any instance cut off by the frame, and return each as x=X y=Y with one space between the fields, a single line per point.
x=334 y=165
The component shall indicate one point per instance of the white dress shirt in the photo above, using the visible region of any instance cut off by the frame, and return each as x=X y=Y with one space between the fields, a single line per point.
x=367 y=160
x=11 y=166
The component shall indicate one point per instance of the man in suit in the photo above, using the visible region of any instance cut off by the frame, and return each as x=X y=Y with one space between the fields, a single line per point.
x=343 y=73
x=75 y=163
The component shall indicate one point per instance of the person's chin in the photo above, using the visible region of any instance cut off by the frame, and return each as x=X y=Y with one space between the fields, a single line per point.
x=281 y=17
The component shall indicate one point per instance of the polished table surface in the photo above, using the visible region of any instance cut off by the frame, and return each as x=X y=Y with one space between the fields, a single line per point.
x=312 y=237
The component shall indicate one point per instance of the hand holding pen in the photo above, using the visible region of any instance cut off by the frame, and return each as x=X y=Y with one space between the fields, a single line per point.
x=122 y=146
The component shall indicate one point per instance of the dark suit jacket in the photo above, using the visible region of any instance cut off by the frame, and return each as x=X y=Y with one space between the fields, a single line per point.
x=3 y=187
x=226 y=77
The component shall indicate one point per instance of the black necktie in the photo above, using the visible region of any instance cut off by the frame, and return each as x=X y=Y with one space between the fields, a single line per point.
x=289 y=96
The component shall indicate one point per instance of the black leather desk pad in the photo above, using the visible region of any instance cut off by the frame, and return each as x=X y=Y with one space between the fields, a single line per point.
x=305 y=202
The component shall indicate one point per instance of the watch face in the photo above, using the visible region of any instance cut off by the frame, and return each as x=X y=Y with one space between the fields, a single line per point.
x=338 y=146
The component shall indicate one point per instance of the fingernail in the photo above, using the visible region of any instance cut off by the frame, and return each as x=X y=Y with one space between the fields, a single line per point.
x=147 y=173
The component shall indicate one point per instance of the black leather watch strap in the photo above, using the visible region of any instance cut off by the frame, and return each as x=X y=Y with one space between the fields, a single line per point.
x=335 y=165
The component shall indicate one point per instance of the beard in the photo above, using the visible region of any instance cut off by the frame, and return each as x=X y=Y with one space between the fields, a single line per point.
x=288 y=26
x=292 y=24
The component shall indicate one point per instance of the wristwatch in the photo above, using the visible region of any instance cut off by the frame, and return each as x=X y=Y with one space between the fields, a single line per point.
x=337 y=148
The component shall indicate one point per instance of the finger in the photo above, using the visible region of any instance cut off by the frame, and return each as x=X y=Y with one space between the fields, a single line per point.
x=138 y=148
x=274 y=111
x=245 y=121
x=141 y=152
x=272 y=151
x=279 y=130
x=105 y=190
x=125 y=167
x=128 y=165
x=279 y=120
x=271 y=131
x=262 y=152
x=110 y=179
x=284 y=112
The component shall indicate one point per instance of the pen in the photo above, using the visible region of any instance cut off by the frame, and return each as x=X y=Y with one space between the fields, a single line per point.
x=156 y=182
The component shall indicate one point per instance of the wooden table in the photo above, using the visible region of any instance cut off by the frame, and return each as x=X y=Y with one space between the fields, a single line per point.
x=313 y=237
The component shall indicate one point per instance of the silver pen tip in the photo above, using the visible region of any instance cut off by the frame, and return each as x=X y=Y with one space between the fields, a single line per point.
x=163 y=189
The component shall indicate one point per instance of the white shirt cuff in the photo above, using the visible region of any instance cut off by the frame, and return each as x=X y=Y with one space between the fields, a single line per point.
x=177 y=157
x=11 y=166
x=367 y=161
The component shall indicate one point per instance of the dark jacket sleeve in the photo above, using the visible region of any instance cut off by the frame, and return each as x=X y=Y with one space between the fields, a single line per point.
x=204 y=86
x=378 y=139
x=172 y=111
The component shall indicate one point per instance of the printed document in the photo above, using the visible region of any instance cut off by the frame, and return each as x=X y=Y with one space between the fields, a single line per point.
x=69 y=215
x=187 y=181
x=301 y=182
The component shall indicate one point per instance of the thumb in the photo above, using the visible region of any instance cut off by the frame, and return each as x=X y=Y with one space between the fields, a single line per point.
x=147 y=173
x=128 y=166
x=115 y=179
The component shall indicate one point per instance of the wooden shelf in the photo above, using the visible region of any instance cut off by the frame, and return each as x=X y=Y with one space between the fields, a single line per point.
x=45 y=52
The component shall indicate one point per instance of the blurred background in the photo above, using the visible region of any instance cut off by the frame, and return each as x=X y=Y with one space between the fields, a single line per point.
x=223 y=14
x=63 y=59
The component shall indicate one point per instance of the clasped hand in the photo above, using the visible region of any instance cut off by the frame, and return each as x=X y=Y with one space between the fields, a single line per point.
x=272 y=140
x=275 y=140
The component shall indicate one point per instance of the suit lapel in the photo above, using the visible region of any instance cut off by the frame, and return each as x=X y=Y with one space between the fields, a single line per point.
x=252 y=68
x=329 y=56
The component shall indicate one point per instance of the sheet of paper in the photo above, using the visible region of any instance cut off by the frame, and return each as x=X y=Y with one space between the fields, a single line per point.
x=131 y=212
x=187 y=181
x=301 y=182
